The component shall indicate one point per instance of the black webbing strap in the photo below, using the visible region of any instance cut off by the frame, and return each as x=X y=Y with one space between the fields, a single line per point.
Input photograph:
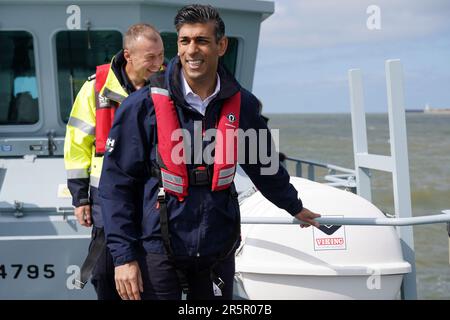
x=164 y=223
x=229 y=248
x=97 y=248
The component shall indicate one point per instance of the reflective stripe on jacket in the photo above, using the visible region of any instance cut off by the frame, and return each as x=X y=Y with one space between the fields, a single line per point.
x=83 y=167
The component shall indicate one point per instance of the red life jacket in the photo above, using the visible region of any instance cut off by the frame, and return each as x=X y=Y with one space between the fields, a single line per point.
x=104 y=110
x=175 y=178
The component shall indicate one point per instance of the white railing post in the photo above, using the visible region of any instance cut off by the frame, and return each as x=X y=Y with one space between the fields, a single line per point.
x=397 y=163
x=400 y=175
x=359 y=132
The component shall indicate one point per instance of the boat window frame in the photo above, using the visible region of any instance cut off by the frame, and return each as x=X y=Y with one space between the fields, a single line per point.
x=55 y=66
x=31 y=127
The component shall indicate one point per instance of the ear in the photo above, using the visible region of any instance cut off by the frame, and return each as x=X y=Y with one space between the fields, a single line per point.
x=127 y=55
x=223 y=45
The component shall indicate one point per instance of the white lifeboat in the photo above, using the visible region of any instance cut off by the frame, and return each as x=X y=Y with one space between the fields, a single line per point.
x=333 y=262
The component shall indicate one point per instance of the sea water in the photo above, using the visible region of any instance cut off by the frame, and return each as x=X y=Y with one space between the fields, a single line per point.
x=327 y=138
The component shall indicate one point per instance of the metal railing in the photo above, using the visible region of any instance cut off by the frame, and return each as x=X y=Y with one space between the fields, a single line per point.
x=444 y=217
x=337 y=176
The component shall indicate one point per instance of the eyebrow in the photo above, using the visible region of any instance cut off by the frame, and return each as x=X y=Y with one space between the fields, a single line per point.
x=195 y=38
x=153 y=54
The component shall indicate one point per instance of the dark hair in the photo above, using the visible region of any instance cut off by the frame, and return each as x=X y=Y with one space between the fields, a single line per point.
x=198 y=13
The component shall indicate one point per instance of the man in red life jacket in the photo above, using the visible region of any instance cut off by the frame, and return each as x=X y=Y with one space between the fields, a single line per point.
x=90 y=120
x=184 y=214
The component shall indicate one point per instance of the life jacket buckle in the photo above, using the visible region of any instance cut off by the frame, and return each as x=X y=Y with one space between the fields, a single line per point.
x=199 y=176
x=161 y=195
x=219 y=282
x=79 y=284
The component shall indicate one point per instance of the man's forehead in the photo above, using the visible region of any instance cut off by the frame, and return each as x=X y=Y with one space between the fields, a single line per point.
x=197 y=30
x=148 y=45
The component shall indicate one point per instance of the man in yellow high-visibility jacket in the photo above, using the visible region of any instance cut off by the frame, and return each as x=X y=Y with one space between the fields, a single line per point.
x=87 y=129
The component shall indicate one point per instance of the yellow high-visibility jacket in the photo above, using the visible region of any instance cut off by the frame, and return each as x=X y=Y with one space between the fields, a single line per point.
x=83 y=167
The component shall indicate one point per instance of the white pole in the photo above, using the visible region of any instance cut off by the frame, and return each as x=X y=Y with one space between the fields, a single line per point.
x=400 y=173
x=363 y=187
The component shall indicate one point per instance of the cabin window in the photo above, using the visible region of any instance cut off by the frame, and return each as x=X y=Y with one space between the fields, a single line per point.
x=78 y=53
x=229 y=59
x=18 y=86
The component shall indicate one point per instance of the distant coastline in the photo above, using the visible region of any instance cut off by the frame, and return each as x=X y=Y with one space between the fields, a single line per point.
x=438 y=111
x=429 y=109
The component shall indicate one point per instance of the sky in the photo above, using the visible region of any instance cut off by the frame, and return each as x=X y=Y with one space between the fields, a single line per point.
x=307 y=47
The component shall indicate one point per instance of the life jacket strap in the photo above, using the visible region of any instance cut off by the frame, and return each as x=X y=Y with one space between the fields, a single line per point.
x=164 y=223
x=198 y=176
x=96 y=250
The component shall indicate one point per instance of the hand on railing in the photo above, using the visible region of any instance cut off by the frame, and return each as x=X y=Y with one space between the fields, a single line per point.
x=308 y=216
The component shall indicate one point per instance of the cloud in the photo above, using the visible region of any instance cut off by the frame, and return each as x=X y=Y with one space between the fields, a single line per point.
x=327 y=23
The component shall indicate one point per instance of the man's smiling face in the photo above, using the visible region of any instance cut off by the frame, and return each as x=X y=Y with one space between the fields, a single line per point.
x=199 y=51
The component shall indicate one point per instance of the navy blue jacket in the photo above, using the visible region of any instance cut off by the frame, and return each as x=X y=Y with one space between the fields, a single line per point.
x=203 y=223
